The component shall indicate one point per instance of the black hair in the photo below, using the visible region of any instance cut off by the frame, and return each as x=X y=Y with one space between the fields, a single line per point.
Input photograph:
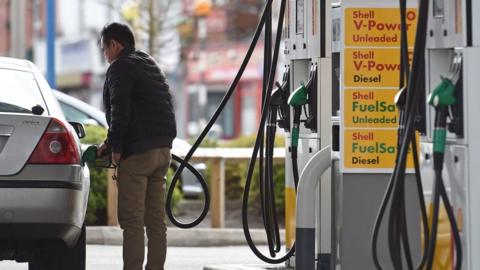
x=120 y=32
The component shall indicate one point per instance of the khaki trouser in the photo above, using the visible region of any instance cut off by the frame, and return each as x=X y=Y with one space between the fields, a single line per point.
x=141 y=202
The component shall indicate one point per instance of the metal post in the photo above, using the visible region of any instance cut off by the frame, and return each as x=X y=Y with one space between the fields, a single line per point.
x=51 y=29
x=202 y=89
x=217 y=206
x=305 y=219
x=36 y=21
x=81 y=16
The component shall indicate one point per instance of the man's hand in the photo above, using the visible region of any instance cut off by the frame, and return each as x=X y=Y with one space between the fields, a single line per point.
x=101 y=150
x=116 y=158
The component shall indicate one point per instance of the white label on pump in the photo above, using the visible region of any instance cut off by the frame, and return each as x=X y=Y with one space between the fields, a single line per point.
x=439 y=8
x=300 y=24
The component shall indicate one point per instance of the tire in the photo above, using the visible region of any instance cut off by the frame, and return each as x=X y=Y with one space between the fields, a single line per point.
x=61 y=257
x=72 y=258
x=37 y=264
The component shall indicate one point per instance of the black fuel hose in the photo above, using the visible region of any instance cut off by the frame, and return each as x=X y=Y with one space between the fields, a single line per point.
x=263 y=119
x=266 y=67
x=272 y=225
x=202 y=182
x=297 y=113
x=395 y=193
x=210 y=123
x=277 y=102
x=267 y=192
x=404 y=75
x=269 y=198
x=440 y=193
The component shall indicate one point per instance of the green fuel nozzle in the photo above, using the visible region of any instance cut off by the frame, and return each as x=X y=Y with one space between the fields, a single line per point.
x=90 y=155
x=299 y=97
x=441 y=98
x=443 y=94
x=90 y=158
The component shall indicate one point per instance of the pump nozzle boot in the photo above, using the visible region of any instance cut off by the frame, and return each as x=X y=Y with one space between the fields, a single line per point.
x=401 y=98
x=311 y=122
x=277 y=98
x=280 y=99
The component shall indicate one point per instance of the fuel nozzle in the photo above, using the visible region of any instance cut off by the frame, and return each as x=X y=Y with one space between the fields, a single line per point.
x=297 y=99
x=277 y=98
x=401 y=98
x=279 y=102
x=443 y=95
x=441 y=98
x=90 y=158
x=312 y=88
x=306 y=94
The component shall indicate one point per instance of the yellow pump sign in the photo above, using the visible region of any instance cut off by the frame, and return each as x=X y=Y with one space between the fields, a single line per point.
x=371 y=68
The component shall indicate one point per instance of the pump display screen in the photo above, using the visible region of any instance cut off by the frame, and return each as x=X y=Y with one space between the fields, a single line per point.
x=300 y=23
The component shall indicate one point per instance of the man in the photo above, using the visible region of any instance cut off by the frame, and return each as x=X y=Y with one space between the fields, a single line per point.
x=141 y=121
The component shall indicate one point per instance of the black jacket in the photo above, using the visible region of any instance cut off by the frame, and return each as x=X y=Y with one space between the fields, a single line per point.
x=138 y=104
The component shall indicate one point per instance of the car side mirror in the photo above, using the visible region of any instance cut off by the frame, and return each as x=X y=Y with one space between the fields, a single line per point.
x=79 y=128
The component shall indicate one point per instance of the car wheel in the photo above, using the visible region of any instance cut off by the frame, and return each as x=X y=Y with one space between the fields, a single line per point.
x=42 y=257
x=73 y=257
x=38 y=264
x=61 y=257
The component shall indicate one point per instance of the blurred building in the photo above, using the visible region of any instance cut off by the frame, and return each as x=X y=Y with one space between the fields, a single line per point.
x=80 y=65
x=79 y=62
x=214 y=48
x=21 y=24
x=200 y=54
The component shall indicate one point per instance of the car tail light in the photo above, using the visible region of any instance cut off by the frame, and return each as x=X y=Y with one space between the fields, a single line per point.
x=57 y=146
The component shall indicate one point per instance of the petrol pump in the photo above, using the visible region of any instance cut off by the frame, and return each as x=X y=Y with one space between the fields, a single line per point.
x=377 y=101
x=452 y=79
x=308 y=54
x=367 y=69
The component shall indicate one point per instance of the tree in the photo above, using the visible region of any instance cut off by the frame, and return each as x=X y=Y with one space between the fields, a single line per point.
x=154 y=22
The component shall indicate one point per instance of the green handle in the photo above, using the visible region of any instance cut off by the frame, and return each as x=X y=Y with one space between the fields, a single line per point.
x=295 y=136
x=90 y=155
x=298 y=97
x=443 y=94
x=439 y=139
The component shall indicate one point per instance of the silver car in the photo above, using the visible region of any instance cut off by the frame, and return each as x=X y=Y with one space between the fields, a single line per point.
x=43 y=186
x=79 y=111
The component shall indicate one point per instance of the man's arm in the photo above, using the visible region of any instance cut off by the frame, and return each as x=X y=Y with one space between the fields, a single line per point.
x=120 y=83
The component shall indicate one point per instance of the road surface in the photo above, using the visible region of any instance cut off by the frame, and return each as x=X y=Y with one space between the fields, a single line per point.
x=184 y=258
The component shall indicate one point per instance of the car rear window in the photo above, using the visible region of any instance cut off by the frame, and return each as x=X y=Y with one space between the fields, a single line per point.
x=19 y=91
